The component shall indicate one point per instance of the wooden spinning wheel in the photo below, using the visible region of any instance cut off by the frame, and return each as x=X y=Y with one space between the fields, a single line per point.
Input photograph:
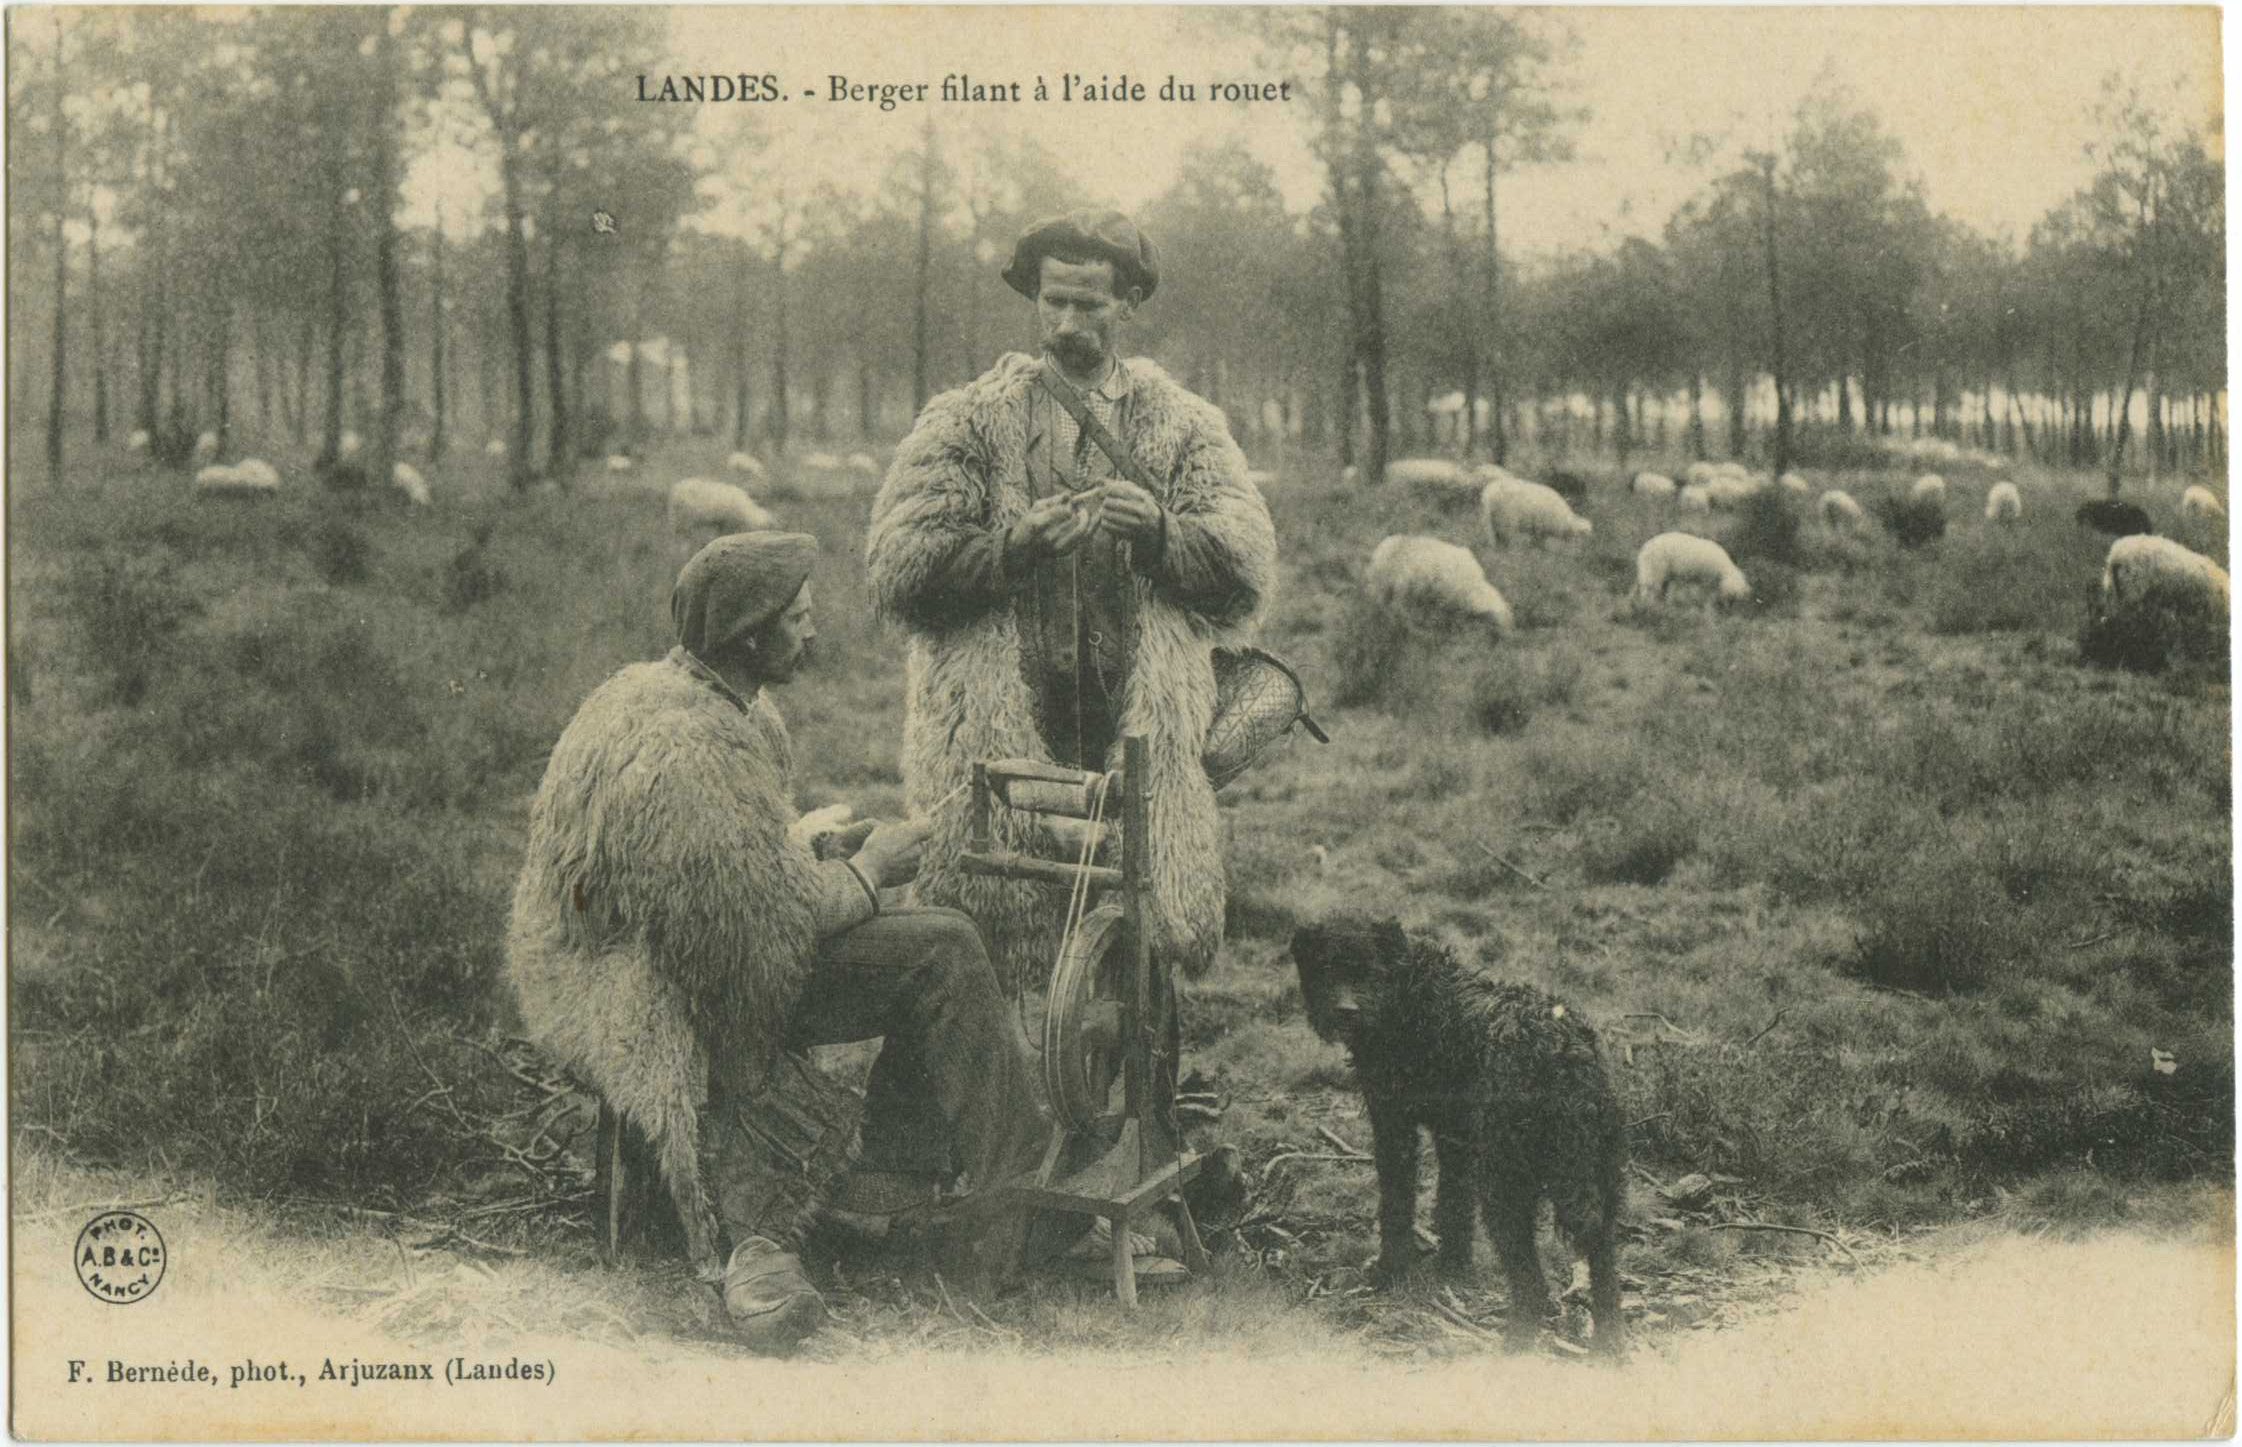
x=1110 y=1017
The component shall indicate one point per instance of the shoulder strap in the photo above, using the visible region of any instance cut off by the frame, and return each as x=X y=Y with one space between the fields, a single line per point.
x=1062 y=392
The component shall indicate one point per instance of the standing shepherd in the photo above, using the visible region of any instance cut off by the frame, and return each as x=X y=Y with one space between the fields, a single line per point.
x=1054 y=604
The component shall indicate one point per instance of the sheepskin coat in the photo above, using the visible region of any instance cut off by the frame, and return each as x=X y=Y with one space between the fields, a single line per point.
x=962 y=474
x=663 y=920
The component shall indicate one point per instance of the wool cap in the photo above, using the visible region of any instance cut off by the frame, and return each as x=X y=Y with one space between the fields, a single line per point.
x=735 y=585
x=1105 y=235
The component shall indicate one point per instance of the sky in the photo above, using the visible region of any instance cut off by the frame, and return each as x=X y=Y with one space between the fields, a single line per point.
x=1991 y=103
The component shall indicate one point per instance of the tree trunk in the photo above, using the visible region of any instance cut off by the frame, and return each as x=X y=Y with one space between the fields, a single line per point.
x=635 y=371
x=1735 y=399
x=386 y=278
x=1696 y=414
x=919 y=392
x=1775 y=318
x=779 y=343
x=864 y=418
x=517 y=308
x=221 y=369
x=1350 y=399
x=740 y=413
x=560 y=461
x=100 y=352
x=261 y=367
x=338 y=303
x=1494 y=338
x=299 y=422
x=439 y=326
x=58 y=395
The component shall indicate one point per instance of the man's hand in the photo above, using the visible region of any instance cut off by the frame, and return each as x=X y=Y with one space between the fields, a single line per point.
x=891 y=856
x=1130 y=512
x=1052 y=527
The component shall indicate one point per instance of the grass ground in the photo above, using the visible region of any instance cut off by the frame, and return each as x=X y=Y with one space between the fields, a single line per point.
x=1893 y=913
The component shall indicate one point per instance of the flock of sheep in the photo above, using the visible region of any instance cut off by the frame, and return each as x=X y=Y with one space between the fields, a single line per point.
x=1426 y=574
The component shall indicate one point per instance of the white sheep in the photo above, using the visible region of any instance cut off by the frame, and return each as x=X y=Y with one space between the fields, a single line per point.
x=496 y=447
x=1840 y=513
x=862 y=462
x=1350 y=475
x=619 y=462
x=2003 y=503
x=748 y=463
x=1930 y=487
x=822 y=461
x=1654 y=485
x=1528 y=510
x=232 y=480
x=1730 y=489
x=1695 y=498
x=1672 y=558
x=1429 y=472
x=1410 y=570
x=257 y=472
x=1700 y=472
x=2145 y=564
x=701 y=509
x=2201 y=504
x=1792 y=482
x=138 y=441
x=349 y=445
x=206 y=445
x=409 y=481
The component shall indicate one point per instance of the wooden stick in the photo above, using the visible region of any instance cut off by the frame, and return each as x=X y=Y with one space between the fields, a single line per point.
x=1340 y=1141
x=1794 y=1230
x=1514 y=869
x=1315 y=1156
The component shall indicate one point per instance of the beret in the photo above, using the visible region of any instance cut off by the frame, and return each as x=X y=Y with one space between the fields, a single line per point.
x=737 y=584
x=1105 y=235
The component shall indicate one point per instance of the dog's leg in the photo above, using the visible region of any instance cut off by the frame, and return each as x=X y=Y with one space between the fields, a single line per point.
x=1510 y=1223
x=1393 y=1132
x=1454 y=1212
x=1603 y=1289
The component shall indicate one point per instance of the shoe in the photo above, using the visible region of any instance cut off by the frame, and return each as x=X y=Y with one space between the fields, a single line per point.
x=770 y=1302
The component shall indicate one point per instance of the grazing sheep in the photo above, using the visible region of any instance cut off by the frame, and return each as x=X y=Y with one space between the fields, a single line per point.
x=822 y=461
x=1839 y=512
x=206 y=445
x=349 y=445
x=862 y=462
x=496 y=447
x=1930 y=487
x=619 y=462
x=1700 y=472
x=2003 y=503
x=1414 y=572
x=257 y=472
x=1654 y=485
x=1437 y=472
x=701 y=510
x=1695 y=498
x=2200 y=504
x=1729 y=490
x=1672 y=558
x=1513 y=1089
x=746 y=462
x=2144 y=567
x=2108 y=515
x=138 y=441
x=232 y=481
x=409 y=481
x=1528 y=510
x=1794 y=483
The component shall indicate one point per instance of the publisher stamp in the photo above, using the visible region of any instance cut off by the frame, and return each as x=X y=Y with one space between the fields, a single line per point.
x=120 y=1257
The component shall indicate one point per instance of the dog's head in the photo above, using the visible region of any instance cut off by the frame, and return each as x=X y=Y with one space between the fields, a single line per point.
x=1338 y=959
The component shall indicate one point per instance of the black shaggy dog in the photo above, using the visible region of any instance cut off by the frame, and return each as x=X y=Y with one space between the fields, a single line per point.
x=1509 y=1082
x=2108 y=515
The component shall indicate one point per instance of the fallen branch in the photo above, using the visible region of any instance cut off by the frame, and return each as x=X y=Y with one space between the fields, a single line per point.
x=1471 y=1328
x=1793 y=1230
x=1339 y=1140
x=101 y=1206
x=1277 y=1161
x=1514 y=869
x=1748 y=1044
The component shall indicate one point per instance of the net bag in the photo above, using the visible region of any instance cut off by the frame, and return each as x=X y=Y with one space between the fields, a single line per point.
x=1257 y=700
